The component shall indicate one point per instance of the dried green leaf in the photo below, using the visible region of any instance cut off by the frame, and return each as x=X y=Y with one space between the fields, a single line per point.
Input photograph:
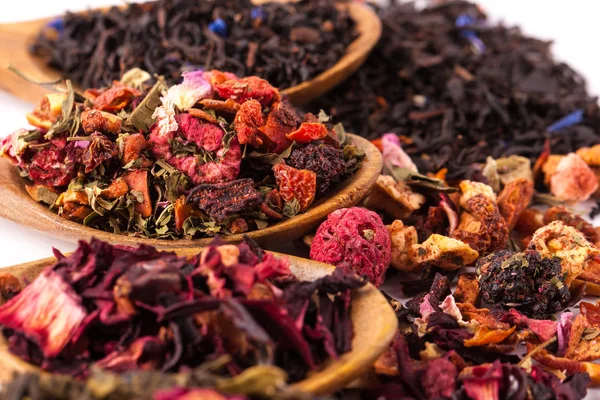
x=548 y=199
x=64 y=123
x=291 y=208
x=271 y=158
x=340 y=132
x=50 y=85
x=414 y=179
x=513 y=167
x=141 y=116
x=175 y=185
x=261 y=224
x=42 y=194
x=261 y=381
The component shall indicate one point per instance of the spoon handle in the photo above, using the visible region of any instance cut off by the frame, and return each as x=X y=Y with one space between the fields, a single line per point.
x=15 y=40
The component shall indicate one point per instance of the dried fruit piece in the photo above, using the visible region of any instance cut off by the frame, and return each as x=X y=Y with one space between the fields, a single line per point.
x=133 y=145
x=297 y=184
x=251 y=87
x=324 y=160
x=48 y=110
x=116 y=98
x=514 y=199
x=530 y=221
x=559 y=241
x=99 y=149
x=573 y=180
x=247 y=121
x=48 y=166
x=395 y=198
x=221 y=200
x=585 y=333
x=308 y=131
x=402 y=239
x=561 y=213
x=280 y=122
x=96 y=120
x=116 y=189
x=444 y=252
x=137 y=181
x=354 y=239
x=467 y=289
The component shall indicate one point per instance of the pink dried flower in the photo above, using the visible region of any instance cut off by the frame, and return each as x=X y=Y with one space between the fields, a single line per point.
x=354 y=239
x=12 y=147
x=393 y=155
x=193 y=89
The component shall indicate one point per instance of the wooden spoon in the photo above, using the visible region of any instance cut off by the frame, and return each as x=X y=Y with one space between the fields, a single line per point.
x=16 y=205
x=375 y=324
x=16 y=38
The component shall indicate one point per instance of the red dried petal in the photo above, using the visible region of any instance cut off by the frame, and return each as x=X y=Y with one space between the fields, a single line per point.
x=48 y=167
x=308 y=131
x=299 y=184
x=47 y=311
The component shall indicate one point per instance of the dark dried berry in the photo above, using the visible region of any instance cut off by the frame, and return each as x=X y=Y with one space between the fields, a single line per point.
x=525 y=281
x=323 y=159
x=222 y=200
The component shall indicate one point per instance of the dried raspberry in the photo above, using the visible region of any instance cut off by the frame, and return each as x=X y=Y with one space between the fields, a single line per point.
x=324 y=160
x=354 y=239
x=308 y=131
x=251 y=87
x=299 y=184
x=247 y=121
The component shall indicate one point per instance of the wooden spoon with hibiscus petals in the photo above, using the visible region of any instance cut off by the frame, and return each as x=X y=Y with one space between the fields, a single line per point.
x=18 y=206
x=16 y=39
x=374 y=321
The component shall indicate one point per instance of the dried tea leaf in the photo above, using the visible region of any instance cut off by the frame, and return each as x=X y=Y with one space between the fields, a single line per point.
x=260 y=381
x=548 y=199
x=42 y=194
x=66 y=121
x=141 y=116
x=271 y=158
x=513 y=167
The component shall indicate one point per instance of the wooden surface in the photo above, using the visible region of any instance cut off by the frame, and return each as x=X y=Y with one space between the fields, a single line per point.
x=374 y=322
x=15 y=39
x=19 y=207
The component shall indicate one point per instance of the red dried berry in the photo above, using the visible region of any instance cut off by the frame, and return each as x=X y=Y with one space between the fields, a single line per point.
x=354 y=239
x=49 y=167
x=299 y=184
x=308 y=131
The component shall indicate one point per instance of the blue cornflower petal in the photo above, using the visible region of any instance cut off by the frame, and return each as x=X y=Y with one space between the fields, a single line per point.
x=574 y=118
x=57 y=24
x=257 y=12
x=218 y=26
x=464 y=20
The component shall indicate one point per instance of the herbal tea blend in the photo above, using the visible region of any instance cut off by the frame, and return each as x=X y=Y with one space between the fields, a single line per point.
x=214 y=154
x=285 y=44
x=458 y=89
x=120 y=314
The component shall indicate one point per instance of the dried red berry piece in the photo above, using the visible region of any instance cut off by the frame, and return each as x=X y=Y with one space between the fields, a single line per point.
x=251 y=87
x=308 y=131
x=49 y=167
x=299 y=184
x=99 y=150
x=354 y=239
x=247 y=121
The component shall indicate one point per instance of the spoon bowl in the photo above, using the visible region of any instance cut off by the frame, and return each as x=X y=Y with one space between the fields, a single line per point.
x=374 y=322
x=15 y=39
x=19 y=207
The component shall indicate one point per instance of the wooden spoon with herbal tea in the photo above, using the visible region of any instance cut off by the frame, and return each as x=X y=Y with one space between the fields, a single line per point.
x=374 y=321
x=18 y=206
x=16 y=38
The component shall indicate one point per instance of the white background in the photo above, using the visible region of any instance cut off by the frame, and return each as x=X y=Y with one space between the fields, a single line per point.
x=573 y=26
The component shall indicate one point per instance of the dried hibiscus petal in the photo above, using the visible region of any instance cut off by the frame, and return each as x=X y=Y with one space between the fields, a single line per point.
x=324 y=160
x=47 y=311
x=296 y=184
x=221 y=200
x=99 y=150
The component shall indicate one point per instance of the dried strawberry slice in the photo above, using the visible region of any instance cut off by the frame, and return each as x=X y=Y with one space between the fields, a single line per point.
x=115 y=98
x=247 y=121
x=308 y=131
x=299 y=184
x=251 y=87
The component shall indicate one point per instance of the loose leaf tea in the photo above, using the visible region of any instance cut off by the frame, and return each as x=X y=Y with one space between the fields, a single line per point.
x=285 y=44
x=458 y=89
x=213 y=154
x=112 y=310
